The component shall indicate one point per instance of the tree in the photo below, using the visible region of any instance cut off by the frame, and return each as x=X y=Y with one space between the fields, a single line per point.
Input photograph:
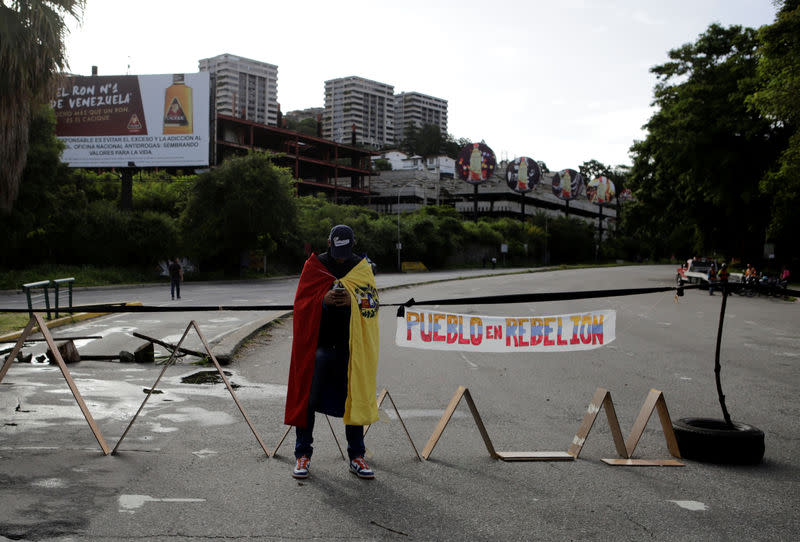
x=245 y=204
x=778 y=97
x=696 y=173
x=31 y=52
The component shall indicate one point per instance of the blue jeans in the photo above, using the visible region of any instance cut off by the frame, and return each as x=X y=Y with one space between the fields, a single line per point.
x=305 y=436
x=175 y=287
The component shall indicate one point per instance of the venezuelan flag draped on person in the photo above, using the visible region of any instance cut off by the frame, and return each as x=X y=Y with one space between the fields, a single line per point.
x=315 y=280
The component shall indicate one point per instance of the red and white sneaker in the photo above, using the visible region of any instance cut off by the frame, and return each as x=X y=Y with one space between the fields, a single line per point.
x=301 y=467
x=360 y=468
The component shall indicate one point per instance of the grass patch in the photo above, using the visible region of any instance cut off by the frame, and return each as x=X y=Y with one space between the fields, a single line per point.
x=12 y=321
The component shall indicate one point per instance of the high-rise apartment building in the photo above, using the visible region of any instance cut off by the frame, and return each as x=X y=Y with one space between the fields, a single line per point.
x=367 y=105
x=246 y=89
x=415 y=108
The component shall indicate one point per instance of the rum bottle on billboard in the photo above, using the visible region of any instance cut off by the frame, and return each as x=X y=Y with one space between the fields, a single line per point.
x=178 y=107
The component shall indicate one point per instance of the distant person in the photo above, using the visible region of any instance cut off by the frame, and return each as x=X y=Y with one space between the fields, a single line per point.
x=494 y=262
x=334 y=360
x=712 y=278
x=175 y=278
x=723 y=277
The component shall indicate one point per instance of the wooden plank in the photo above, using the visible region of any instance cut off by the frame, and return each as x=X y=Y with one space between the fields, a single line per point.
x=666 y=426
x=381 y=397
x=285 y=434
x=193 y=323
x=535 y=456
x=642 y=462
x=616 y=430
x=439 y=429
x=588 y=421
x=169 y=362
x=479 y=422
x=177 y=348
x=13 y=355
x=641 y=421
x=601 y=398
x=73 y=388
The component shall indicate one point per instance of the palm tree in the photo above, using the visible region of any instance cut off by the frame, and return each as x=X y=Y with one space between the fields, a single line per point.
x=31 y=55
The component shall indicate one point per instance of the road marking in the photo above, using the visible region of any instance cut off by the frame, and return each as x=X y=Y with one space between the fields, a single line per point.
x=472 y=365
x=694 y=506
x=204 y=453
x=131 y=503
x=50 y=483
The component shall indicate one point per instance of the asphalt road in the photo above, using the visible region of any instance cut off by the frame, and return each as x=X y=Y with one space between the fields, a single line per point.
x=190 y=468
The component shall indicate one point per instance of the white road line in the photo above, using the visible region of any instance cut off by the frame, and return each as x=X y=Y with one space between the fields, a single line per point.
x=694 y=506
x=131 y=503
x=472 y=365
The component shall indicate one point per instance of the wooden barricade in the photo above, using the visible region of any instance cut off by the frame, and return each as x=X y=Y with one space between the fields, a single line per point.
x=625 y=448
x=56 y=356
x=505 y=456
x=384 y=394
x=170 y=361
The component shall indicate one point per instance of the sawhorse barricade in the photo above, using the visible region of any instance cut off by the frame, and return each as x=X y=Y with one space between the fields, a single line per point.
x=36 y=321
x=602 y=398
x=384 y=394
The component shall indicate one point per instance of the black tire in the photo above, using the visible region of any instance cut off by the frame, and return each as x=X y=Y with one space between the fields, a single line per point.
x=713 y=441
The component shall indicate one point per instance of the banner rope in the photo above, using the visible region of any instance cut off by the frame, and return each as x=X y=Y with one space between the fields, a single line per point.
x=479 y=300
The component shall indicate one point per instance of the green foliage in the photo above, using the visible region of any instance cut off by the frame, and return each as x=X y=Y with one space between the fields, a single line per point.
x=698 y=167
x=245 y=204
x=429 y=141
x=32 y=36
x=778 y=97
x=382 y=164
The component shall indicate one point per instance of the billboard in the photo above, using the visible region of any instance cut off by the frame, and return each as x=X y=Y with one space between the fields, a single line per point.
x=523 y=174
x=567 y=184
x=475 y=163
x=147 y=120
x=601 y=191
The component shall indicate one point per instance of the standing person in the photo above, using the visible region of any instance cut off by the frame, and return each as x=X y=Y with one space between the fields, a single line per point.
x=175 y=278
x=712 y=278
x=723 y=277
x=334 y=360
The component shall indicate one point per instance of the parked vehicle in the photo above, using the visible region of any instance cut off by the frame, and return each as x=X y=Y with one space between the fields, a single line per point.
x=694 y=271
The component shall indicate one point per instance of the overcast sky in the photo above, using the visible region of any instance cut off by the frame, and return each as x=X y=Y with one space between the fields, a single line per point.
x=561 y=81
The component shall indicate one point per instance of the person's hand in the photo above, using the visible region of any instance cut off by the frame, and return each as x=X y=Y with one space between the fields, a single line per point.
x=337 y=298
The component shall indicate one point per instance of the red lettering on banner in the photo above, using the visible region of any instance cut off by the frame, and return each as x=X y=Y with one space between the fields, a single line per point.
x=586 y=329
x=547 y=330
x=461 y=338
x=436 y=326
x=536 y=331
x=522 y=341
x=597 y=338
x=412 y=319
x=511 y=331
x=452 y=322
x=576 y=323
x=559 y=340
x=474 y=338
x=425 y=336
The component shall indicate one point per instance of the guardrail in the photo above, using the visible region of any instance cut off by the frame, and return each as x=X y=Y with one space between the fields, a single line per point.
x=33 y=297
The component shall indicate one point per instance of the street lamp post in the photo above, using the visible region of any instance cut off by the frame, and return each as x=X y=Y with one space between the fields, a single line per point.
x=399 y=245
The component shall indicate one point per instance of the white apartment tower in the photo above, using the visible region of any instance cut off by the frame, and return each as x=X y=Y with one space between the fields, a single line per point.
x=418 y=109
x=246 y=89
x=367 y=105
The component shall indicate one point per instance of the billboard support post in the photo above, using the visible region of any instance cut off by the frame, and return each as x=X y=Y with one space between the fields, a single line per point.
x=126 y=190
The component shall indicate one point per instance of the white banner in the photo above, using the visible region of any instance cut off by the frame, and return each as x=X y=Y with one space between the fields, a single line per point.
x=435 y=330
